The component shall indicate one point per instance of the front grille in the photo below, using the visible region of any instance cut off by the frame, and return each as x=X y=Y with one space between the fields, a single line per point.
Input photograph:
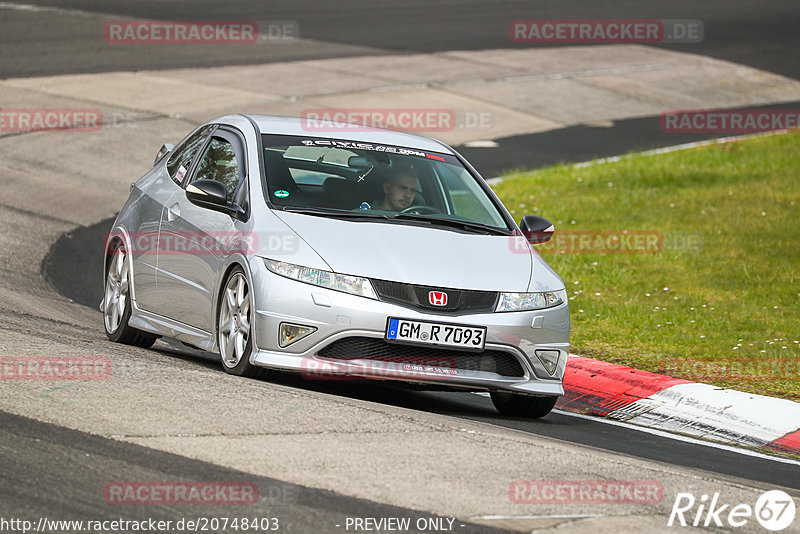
x=367 y=348
x=416 y=296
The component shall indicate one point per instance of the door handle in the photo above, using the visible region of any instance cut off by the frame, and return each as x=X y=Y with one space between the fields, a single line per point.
x=173 y=212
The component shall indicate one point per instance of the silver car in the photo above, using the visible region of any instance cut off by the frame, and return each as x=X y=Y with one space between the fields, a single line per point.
x=342 y=253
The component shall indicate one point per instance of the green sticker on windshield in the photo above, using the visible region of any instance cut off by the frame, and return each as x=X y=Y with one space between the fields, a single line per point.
x=280 y=193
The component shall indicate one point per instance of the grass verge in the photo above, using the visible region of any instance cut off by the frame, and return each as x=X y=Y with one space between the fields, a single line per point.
x=711 y=292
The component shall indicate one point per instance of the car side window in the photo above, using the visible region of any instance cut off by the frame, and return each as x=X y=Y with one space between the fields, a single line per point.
x=219 y=162
x=182 y=157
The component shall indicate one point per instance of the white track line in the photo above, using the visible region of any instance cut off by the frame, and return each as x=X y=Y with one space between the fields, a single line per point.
x=670 y=435
x=555 y=516
x=28 y=7
x=680 y=437
x=675 y=148
x=656 y=151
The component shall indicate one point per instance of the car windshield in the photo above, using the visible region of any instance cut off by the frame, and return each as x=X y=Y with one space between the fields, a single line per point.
x=351 y=179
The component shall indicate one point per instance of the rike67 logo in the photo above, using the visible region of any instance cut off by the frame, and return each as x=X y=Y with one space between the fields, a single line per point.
x=774 y=510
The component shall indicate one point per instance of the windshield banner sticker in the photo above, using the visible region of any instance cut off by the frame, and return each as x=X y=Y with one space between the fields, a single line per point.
x=353 y=145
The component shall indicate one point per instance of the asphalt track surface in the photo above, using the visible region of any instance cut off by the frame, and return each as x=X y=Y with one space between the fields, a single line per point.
x=581 y=143
x=758 y=34
x=761 y=35
x=71 y=468
x=54 y=40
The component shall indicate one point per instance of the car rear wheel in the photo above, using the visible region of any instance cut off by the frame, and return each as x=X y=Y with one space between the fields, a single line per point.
x=522 y=405
x=117 y=305
x=234 y=323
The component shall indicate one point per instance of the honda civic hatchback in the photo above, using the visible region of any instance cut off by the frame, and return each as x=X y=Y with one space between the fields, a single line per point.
x=341 y=253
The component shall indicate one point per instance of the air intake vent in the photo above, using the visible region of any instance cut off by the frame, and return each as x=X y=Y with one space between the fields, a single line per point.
x=367 y=348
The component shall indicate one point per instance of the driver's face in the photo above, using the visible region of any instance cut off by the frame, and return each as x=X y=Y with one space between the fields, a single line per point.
x=400 y=192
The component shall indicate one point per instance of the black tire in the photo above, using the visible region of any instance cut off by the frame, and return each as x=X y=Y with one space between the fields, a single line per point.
x=117 y=287
x=517 y=405
x=235 y=362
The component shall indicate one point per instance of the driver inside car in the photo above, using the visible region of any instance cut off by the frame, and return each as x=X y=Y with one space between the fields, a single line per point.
x=399 y=191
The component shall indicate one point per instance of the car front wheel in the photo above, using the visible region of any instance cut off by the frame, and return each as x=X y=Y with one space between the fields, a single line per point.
x=522 y=405
x=234 y=324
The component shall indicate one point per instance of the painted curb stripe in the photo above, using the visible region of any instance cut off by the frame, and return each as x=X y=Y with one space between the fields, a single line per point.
x=651 y=400
x=599 y=388
x=790 y=443
x=711 y=412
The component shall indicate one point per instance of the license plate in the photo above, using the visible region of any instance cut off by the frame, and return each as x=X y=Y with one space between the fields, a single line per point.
x=441 y=334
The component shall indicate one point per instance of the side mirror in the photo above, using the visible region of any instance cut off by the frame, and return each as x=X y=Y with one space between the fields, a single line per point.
x=207 y=193
x=165 y=149
x=536 y=229
x=212 y=195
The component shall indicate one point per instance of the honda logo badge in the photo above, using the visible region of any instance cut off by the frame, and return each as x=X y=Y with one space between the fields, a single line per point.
x=437 y=298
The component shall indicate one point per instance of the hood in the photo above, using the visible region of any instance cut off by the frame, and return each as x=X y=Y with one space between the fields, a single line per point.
x=421 y=254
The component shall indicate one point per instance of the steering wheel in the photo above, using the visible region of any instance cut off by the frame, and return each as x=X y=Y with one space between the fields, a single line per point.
x=419 y=210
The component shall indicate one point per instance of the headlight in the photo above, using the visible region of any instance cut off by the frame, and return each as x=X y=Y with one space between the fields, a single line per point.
x=354 y=285
x=530 y=301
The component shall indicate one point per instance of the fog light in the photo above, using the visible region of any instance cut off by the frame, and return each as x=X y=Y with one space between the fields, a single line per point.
x=549 y=359
x=289 y=333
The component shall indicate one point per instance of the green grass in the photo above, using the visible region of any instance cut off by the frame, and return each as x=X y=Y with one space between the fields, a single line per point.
x=720 y=302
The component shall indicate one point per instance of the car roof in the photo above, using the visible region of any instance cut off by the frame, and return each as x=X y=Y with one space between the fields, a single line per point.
x=280 y=125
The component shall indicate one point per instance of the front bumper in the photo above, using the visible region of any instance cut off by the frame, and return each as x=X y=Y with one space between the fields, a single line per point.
x=339 y=316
